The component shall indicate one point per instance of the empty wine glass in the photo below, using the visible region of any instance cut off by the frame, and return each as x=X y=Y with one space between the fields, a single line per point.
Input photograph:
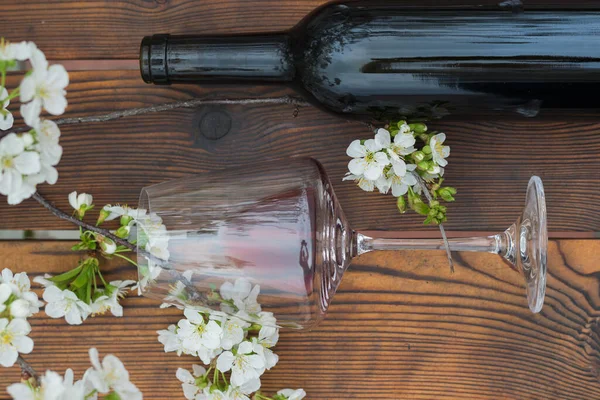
x=272 y=237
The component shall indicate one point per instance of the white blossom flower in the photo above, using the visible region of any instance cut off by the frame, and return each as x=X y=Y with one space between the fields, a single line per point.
x=215 y=394
x=19 y=282
x=15 y=51
x=65 y=303
x=438 y=151
x=403 y=145
x=119 y=211
x=74 y=390
x=111 y=375
x=267 y=338
x=267 y=319
x=362 y=182
x=244 y=365
x=48 y=135
x=233 y=332
x=398 y=184
x=242 y=392
x=291 y=394
x=111 y=298
x=45 y=86
x=14 y=340
x=197 y=333
x=367 y=159
x=188 y=380
x=169 y=338
x=15 y=162
x=82 y=200
x=6 y=118
x=155 y=240
x=5 y=293
x=243 y=295
x=178 y=293
x=429 y=176
x=44 y=280
x=52 y=387
x=19 y=308
x=158 y=245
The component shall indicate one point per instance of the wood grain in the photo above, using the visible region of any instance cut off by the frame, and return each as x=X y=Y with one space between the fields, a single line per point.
x=100 y=30
x=490 y=164
x=400 y=327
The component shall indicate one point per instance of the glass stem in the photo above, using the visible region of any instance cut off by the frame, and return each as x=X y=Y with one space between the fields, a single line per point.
x=503 y=244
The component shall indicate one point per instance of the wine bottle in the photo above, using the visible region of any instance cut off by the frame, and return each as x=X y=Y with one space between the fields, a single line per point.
x=370 y=60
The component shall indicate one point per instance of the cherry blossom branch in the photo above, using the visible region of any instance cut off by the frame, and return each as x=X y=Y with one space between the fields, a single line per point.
x=27 y=370
x=194 y=294
x=290 y=100
x=63 y=215
x=425 y=190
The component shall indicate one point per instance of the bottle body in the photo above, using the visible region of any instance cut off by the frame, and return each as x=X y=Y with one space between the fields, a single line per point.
x=385 y=59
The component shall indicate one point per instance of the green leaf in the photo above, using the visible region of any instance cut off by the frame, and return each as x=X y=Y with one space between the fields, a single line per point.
x=80 y=246
x=67 y=276
x=83 y=278
x=421 y=208
x=88 y=287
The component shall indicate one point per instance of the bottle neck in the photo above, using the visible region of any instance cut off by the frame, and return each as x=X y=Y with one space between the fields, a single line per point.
x=166 y=59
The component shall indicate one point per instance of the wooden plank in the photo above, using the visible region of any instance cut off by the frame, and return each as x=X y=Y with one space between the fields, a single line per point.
x=490 y=164
x=400 y=327
x=99 y=29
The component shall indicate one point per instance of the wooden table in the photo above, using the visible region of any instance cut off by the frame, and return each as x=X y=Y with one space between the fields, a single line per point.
x=401 y=326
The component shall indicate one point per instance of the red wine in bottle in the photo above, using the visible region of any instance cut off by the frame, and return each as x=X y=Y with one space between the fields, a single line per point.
x=366 y=59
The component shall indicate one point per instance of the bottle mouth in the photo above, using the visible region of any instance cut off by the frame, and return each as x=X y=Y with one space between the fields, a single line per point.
x=153 y=59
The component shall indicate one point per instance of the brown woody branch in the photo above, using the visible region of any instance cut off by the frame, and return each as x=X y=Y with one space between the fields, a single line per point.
x=27 y=370
x=289 y=100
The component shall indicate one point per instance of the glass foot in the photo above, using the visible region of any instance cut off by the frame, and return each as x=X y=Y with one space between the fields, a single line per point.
x=528 y=244
x=533 y=244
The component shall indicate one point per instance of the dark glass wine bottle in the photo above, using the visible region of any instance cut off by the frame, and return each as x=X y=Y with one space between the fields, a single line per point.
x=368 y=59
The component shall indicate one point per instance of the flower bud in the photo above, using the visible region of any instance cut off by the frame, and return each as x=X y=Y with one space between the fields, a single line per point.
x=27 y=139
x=427 y=149
x=418 y=127
x=102 y=216
x=418 y=156
x=401 y=204
x=418 y=205
x=423 y=165
x=125 y=220
x=107 y=245
x=123 y=232
x=421 y=208
x=434 y=169
x=447 y=193
x=19 y=308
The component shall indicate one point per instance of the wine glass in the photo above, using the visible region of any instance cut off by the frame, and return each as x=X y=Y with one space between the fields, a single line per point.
x=272 y=237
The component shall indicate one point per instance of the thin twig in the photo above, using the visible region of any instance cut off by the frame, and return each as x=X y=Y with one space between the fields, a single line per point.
x=291 y=100
x=27 y=370
x=425 y=190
